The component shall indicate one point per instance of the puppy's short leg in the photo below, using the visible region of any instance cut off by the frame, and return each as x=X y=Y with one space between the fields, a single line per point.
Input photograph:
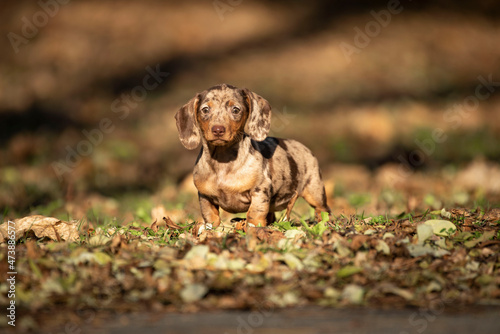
x=314 y=194
x=290 y=205
x=259 y=209
x=209 y=211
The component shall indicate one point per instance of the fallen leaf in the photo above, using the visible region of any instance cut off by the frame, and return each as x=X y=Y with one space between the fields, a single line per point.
x=388 y=235
x=293 y=262
x=241 y=225
x=199 y=227
x=117 y=242
x=99 y=240
x=348 y=271
x=419 y=250
x=42 y=226
x=288 y=298
x=492 y=215
x=358 y=241
x=445 y=213
x=154 y=227
x=424 y=232
x=158 y=213
x=332 y=293
x=33 y=251
x=487 y=235
x=383 y=247
x=463 y=236
x=259 y=264
x=353 y=294
x=294 y=234
x=370 y=232
x=170 y=223
x=433 y=286
x=193 y=292
x=442 y=228
x=102 y=258
x=342 y=250
x=390 y=288
x=485 y=280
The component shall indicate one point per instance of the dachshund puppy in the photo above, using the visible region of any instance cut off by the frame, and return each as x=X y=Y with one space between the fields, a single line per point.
x=239 y=168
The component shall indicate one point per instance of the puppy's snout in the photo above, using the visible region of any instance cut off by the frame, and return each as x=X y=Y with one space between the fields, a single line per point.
x=218 y=130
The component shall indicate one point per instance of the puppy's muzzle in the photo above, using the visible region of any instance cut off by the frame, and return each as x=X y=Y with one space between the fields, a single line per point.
x=218 y=131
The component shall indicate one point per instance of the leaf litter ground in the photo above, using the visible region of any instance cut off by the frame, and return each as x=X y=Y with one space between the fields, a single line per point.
x=442 y=258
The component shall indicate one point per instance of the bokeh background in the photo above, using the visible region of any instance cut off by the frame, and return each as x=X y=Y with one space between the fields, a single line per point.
x=386 y=94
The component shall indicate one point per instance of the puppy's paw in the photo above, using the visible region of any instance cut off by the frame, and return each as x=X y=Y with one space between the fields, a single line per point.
x=204 y=227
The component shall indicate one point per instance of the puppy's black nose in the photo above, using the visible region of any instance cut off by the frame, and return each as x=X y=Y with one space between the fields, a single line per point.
x=218 y=130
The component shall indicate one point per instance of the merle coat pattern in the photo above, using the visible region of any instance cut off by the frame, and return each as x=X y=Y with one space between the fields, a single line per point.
x=239 y=169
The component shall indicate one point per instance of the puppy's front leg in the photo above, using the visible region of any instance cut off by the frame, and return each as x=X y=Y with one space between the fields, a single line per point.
x=259 y=209
x=209 y=211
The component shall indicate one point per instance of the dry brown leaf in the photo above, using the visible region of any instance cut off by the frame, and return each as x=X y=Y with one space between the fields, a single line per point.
x=261 y=233
x=274 y=236
x=198 y=229
x=492 y=215
x=42 y=226
x=117 y=242
x=32 y=250
x=158 y=213
x=241 y=225
x=358 y=241
x=154 y=226
x=170 y=223
x=251 y=238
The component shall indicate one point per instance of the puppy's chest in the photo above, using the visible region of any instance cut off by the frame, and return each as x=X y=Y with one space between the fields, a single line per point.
x=225 y=181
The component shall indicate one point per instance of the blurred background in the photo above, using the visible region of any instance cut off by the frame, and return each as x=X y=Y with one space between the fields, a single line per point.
x=398 y=100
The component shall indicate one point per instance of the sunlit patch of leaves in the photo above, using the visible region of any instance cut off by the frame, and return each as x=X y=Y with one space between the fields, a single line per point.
x=405 y=260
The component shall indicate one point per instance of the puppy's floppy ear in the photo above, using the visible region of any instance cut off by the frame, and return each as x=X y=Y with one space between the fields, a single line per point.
x=187 y=126
x=259 y=119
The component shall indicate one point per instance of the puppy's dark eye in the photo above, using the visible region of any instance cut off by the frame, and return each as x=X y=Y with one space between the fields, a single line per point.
x=236 y=110
x=205 y=110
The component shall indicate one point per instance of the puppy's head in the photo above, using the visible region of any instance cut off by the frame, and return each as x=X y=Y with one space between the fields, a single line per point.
x=220 y=116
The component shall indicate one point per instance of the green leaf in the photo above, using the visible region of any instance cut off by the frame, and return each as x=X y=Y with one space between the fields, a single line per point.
x=348 y=271
x=102 y=258
x=285 y=225
x=319 y=228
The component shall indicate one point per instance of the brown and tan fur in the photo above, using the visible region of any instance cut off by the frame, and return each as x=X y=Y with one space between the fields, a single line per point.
x=239 y=169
